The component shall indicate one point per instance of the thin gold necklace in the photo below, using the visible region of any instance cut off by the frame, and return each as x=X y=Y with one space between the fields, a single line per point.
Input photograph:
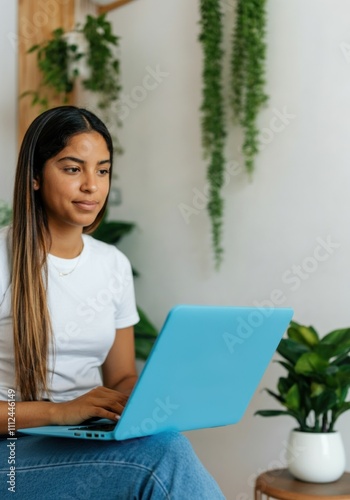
x=61 y=273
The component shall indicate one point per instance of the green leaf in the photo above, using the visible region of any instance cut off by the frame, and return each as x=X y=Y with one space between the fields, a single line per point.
x=305 y=400
x=328 y=351
x=324 y=402
x=112 y=231
x=27 y=92
x=293 y=398
x=303 y=334
x=310 y=363
x=33 y=48
x=343 y=408
x=291 y=350
x=284 y=384
x=276 y=396
x=341 y=393
x=145 y=335
x=339 y=378
x=342 y=359
x=317 y=389
x=343 y=374
x=5 y=214
x=338 y=337
x=144 y=326
x=273 y=413
x=289 y=367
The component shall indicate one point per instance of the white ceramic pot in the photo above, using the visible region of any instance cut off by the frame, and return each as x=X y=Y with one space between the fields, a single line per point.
x=78 y=39
x=316 y=457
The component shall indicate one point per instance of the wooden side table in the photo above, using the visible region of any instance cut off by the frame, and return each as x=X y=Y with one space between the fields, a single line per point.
x=280 y=484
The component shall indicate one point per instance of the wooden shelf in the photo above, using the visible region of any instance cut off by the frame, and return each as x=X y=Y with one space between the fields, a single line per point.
x=280 y=484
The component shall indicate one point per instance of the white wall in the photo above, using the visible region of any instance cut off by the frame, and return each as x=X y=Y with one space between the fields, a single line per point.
x=8 y=97
x=299 y=192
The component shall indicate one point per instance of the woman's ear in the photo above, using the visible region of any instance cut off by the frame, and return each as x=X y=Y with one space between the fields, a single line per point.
x=36 y=185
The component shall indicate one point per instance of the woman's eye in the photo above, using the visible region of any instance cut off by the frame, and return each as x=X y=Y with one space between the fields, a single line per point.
x=71 y=170
x=103 y=171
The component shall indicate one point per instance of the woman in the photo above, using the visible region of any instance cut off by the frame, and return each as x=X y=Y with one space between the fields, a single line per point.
x=66 y=353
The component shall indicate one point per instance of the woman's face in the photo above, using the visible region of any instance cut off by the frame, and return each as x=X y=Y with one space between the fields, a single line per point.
x=75 y=183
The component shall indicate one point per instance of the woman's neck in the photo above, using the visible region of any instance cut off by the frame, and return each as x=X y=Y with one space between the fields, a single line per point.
x=66 y=244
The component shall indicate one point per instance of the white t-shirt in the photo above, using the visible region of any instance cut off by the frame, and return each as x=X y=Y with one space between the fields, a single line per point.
x=86 y=307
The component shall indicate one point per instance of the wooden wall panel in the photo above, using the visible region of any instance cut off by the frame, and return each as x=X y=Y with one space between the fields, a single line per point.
x=36 y=21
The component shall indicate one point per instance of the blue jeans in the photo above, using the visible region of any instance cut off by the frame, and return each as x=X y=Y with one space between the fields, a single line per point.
x=158 y=467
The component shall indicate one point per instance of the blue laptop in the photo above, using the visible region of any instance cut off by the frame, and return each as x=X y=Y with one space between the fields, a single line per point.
x=202 y=372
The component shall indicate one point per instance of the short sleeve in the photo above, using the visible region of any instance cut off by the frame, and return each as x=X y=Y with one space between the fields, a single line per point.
x=126 y=311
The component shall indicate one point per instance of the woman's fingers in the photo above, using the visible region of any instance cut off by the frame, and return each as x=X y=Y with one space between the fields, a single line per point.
x=100 y=402
x=102 y=413
x=107 y=398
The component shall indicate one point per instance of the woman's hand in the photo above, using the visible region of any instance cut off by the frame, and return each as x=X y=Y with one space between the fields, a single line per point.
x=99 y=402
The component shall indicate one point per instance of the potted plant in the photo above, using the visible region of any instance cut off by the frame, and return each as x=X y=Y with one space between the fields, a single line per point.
x=314 y=392
x=88 y=55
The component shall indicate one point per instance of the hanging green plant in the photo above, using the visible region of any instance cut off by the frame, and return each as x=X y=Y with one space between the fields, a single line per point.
x=60 y=63
x=248 y=72
x=213 y=119
x=105 y=70
x=53 y=57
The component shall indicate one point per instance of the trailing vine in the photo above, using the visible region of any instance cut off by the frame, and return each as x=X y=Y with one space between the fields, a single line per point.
x=248 y=72
x=248 y=95
x=213 y=119
x=105 y=70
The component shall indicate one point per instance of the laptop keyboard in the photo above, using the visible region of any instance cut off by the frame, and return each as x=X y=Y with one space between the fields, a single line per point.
x=95 y=427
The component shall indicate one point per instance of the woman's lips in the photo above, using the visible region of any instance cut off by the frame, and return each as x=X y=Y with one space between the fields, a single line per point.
x=86 y=205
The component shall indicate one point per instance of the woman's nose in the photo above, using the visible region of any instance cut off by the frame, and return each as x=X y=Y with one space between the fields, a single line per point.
x=89 y=183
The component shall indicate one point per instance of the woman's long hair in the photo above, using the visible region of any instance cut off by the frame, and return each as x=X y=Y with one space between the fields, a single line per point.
x=48 y=134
